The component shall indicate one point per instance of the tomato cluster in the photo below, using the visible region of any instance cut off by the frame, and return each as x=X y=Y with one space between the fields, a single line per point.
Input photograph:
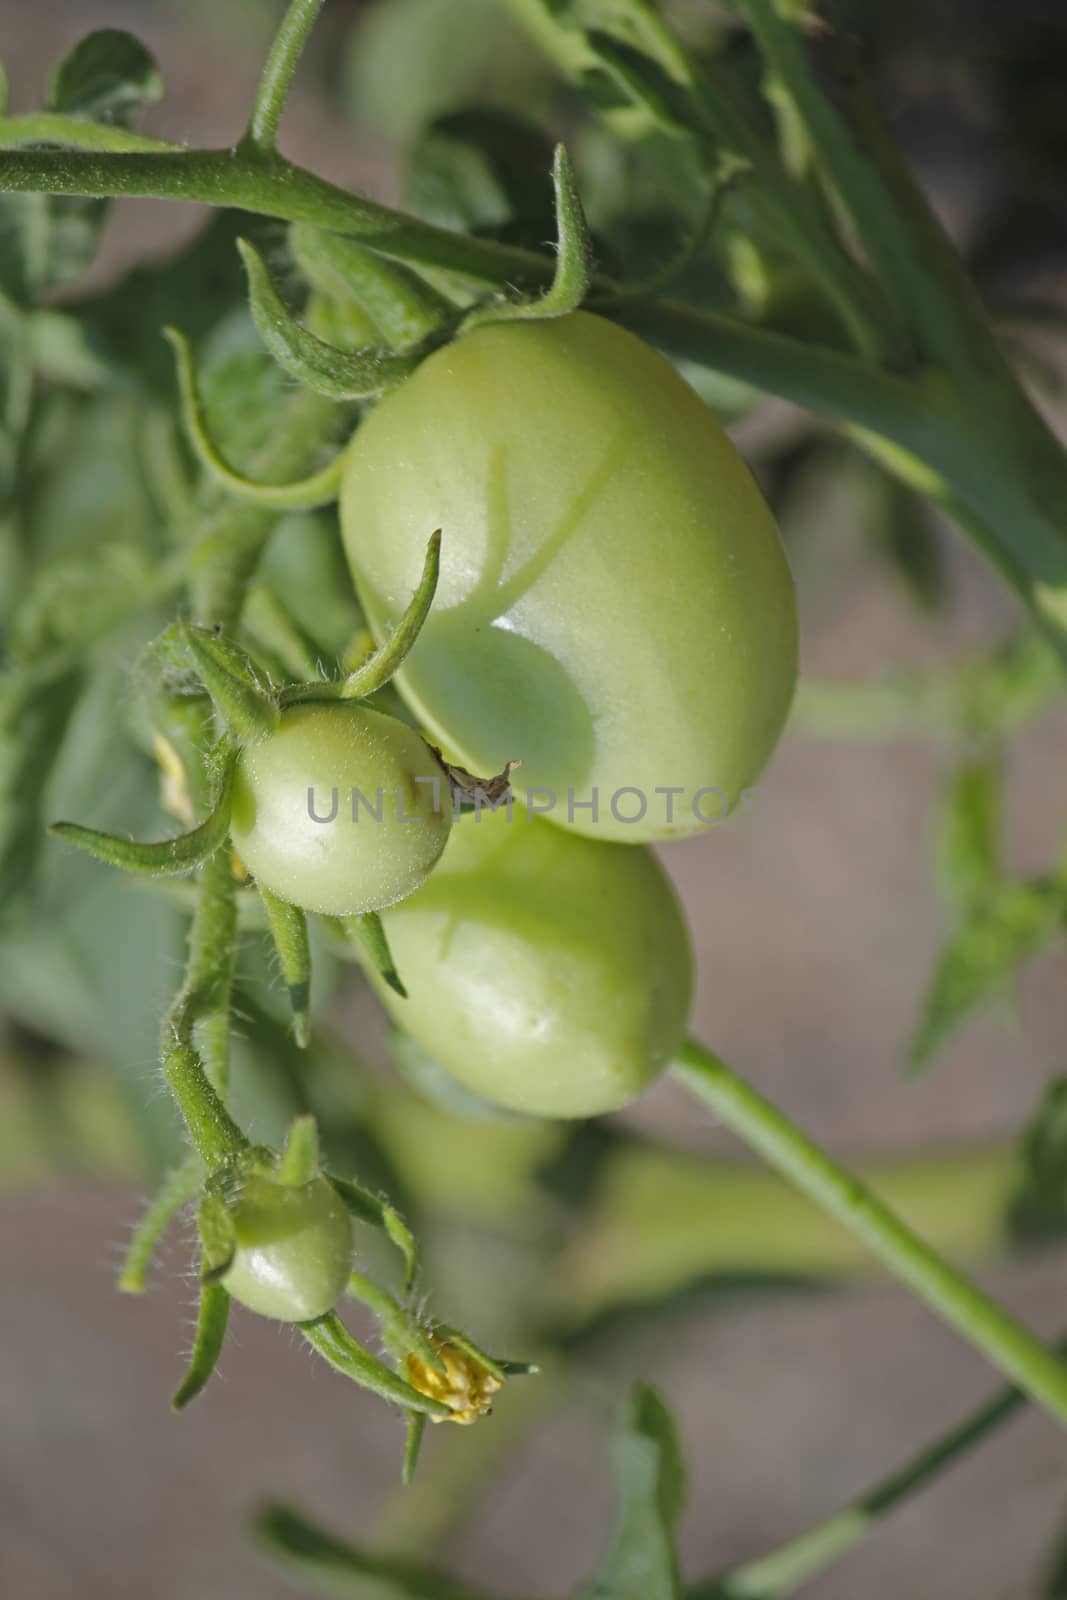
x=614 y=608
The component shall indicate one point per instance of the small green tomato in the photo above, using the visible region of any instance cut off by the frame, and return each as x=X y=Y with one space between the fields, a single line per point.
x=294 y=1248
x=341 y=810
x=549 y=973
x=614 y=605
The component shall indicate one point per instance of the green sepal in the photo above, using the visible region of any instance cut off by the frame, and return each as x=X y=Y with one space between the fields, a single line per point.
x=299 y=1161
x=375 y=673
x=402 y=1334
x=164 y=857
x=414 y=1432
x=289 y=930
x=211 y=1321
x=337 y=374
x=218 y=1236
x=574 y=259
x=499 y=1369
x=318 y=489
x=368 y=929
x=329 y=1336
x=379 y=1213
x=402 y=307
x=229 y=675
x=176 y=1190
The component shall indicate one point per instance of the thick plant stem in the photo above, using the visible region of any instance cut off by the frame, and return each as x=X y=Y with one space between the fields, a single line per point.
x=277 y=77
x=1004 y=1341
x=783 y=1571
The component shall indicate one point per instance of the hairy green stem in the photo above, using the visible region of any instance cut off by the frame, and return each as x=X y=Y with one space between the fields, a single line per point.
x=784 y=1570
x=1001 y=1338
x=277 y=77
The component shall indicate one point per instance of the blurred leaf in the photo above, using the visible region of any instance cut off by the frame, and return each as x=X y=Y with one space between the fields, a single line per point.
x=910 y=542
x=1040 y=1208
x=48 y=239
x=109 y=76
x=968 y=846
x=1014 y=923
x=1055 y=1587
x=640 y=1562
x=34 y=714
x=334 y=1566
x=412 y=60
x=76 y=599
x=485 y=172
x=305 y=563
x=16 y=388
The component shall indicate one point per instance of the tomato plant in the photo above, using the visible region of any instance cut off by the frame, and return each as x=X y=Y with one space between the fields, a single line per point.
x=409 y=475
x=615 y=606
x=339 y=809
x=548 y=973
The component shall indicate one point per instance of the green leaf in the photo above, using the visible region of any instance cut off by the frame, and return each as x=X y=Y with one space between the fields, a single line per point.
x=968 y=844
x=1039 y=1210
x=338 y=1567
x=337 y=374
x=16 y=388
x=76 y=599
x=108 y=77
x=1014 y=923
x=484 y=172
x=211 y=1321
x=35 y=713
x=640 y=1562
x=45 y=240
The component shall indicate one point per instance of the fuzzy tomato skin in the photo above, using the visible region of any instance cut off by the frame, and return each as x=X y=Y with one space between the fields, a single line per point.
x=549 y=973
x=294 y=1249
x=357 y=861
x=615 y=607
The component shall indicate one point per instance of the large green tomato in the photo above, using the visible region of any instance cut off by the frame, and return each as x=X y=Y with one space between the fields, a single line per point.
x=614 y=607
x=341 y=809
x=294 y=1248
x=549 y=973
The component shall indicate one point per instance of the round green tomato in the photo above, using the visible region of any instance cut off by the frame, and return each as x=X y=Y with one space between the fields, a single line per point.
x=341 y=809
x=294 y=1249
x=614 y=608
x=549 y=973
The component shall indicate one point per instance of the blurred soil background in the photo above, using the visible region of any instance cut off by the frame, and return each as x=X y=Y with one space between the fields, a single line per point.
x=815 y=922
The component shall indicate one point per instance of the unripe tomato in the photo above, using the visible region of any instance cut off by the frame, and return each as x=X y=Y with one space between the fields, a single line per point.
x=614 y=607
x=294 y=1248
x=549 y=973
x=341 y=809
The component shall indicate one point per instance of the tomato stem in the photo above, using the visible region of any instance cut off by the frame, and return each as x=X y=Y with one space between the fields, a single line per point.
x=986 y=1325
x=782 y=1571
x=278 y=73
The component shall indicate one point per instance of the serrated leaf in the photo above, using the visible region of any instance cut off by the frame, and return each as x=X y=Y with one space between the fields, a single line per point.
x=1013 y=924
x=968 y=846
x=640 y=1562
